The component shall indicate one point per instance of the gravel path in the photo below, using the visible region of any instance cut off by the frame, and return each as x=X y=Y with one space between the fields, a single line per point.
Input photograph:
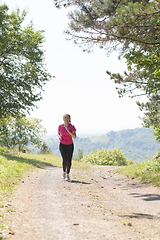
x=96 y=204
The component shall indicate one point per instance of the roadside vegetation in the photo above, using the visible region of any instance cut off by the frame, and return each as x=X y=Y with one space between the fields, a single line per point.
x=13 y=167
x=103 y=156
x=148 y=171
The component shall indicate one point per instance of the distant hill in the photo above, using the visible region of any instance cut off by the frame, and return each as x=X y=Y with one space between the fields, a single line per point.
x=138 y=144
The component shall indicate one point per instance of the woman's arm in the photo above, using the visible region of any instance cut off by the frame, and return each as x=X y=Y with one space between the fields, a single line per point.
x=59 y=135
x=73 y=134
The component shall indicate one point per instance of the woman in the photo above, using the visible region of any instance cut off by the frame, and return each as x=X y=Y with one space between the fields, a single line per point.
x=66 y=132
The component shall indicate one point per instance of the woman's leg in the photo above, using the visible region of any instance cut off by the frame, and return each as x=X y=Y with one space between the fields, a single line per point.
x=64 y=156
x=70 y=149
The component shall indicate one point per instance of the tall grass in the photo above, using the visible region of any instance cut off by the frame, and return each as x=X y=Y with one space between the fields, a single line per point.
x=145 y=172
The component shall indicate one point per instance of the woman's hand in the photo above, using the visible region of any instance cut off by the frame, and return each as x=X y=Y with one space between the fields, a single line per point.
x=73 y=134
x=59 y=136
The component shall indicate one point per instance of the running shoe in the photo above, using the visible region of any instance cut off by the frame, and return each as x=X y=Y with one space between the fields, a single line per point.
x=67 y=177
x=64 y=175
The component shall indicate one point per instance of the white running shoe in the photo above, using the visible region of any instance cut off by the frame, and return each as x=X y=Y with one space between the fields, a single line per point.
x=67 y=177
x=64 y=175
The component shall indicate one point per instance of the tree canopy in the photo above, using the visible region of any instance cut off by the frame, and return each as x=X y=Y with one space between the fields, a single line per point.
x=114 y=24
x=21 y=131
x=131 y=27
x=22 y=66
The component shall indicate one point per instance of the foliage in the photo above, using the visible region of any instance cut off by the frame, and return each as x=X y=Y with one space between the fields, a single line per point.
x=79 y=155
x=152 y=115
x=20 y=131
x=115 y=24
x=107 y=157
x=144 y=74
x=130 y=26
x=154 y=166
x=4 y=150
x=157 y=133
x=148 y=171
x=9 y=170
x=22 y=67
x=152 y=111
x=44 y=149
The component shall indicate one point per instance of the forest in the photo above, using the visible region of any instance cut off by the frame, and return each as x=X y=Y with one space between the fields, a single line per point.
x=138 y=144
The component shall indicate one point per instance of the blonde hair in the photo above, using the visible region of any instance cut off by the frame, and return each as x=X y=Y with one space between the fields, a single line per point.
x=67 y=115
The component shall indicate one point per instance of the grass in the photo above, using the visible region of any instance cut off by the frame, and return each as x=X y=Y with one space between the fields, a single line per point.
x=145 y=172
x=12 y=167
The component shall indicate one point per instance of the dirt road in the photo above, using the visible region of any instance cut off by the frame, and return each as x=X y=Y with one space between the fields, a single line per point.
x=96 y=204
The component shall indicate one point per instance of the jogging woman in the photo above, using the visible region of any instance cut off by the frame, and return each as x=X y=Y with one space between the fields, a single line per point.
x=66 y=132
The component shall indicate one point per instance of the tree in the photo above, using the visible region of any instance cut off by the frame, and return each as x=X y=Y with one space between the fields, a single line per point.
x=44 y=149
x=133 y=28
x=143 y=79
x=5 y=126
x=114 y=23
x=21 y=131
x=143 y=75
x=22 y=67
x=157 y=134
x=79 y=155
x=152 y=114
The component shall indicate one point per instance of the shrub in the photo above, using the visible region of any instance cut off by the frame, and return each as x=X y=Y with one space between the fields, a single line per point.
x=153 y=165
x=4 y=150
x=103 y=156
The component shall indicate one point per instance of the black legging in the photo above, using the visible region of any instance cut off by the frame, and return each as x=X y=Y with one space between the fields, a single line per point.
x=66 y=152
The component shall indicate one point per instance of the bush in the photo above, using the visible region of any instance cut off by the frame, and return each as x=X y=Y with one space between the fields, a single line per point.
x=153 y=165
x=148 y=171
x=4 y=150
x=103 y=156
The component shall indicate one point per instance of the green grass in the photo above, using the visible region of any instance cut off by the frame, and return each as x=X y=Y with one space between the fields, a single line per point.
x=145 y=172
x=12 y=167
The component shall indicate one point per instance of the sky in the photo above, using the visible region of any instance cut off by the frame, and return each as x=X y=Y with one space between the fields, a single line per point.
x=81 y=86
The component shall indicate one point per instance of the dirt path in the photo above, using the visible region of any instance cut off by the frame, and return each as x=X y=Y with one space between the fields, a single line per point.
x=97 y=204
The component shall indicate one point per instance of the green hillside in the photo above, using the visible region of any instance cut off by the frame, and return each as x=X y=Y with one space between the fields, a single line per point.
x=137 y=144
